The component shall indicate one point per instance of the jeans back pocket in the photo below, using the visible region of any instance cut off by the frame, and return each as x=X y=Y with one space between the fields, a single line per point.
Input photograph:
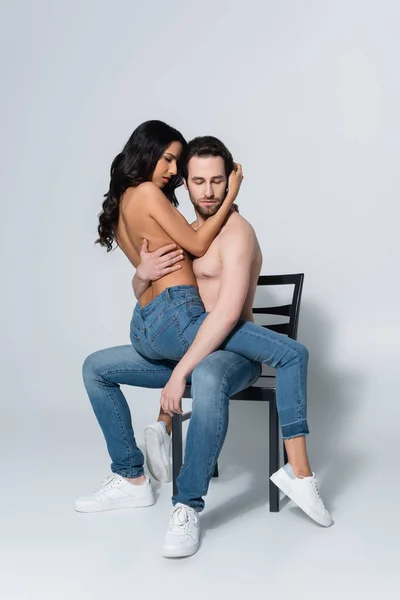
x=166 y=339
x=195 y=308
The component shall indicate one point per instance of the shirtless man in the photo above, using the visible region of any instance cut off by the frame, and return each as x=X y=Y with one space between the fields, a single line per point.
x=227 y=277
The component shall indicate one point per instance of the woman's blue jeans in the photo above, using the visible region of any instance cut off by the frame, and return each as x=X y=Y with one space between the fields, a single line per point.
x=165 y=328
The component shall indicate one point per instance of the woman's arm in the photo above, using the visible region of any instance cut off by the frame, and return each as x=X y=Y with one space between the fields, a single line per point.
x=175 y=224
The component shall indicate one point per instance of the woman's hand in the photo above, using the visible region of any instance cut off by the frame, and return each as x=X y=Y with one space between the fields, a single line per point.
x=235 y=181
x=172 y=394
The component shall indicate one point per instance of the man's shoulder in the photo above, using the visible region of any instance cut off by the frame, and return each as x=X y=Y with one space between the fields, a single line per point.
x=239 y=238
x=237 y=227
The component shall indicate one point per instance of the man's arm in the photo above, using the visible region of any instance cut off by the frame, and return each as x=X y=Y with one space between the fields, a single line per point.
x=237 y=249
x=154 y=265
x=139 y=284
x=237 y=253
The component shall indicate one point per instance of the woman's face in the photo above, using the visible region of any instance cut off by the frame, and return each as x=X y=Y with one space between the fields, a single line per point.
x=167 y=166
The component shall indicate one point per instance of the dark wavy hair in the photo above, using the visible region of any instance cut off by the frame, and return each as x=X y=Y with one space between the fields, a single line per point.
x=207 y=145
x=134 y=165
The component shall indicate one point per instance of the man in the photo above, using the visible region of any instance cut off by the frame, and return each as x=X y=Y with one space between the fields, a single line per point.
x=229 y=269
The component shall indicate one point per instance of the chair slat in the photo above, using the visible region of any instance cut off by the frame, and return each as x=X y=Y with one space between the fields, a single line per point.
x=274 y=310
x=280 y=279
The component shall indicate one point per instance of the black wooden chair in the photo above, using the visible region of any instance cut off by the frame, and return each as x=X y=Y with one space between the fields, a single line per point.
x=263 y=390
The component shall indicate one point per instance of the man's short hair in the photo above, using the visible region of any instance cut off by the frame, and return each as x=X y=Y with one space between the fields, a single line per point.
x=207 y=145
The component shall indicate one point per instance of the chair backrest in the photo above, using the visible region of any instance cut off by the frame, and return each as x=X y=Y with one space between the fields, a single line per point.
x=291 y=310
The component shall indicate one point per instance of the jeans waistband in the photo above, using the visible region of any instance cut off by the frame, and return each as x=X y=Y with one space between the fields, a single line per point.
x=184 y=292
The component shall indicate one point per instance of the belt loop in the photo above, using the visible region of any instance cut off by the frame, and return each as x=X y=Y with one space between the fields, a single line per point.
x=168 y=295
x=137 y=311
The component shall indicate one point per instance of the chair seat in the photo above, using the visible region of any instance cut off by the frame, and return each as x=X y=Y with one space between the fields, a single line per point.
x=253 y=392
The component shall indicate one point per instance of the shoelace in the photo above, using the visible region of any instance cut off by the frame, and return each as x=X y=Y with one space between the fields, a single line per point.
x=180 y=518
x=315 y=486
x=104 y=483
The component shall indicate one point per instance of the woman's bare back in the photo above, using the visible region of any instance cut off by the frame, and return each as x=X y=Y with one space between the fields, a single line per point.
x=130 y=237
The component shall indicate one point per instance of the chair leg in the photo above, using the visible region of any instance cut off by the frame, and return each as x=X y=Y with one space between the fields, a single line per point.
x=177 y=452
x=285 y=458
x=273 y=454
x=216 y=470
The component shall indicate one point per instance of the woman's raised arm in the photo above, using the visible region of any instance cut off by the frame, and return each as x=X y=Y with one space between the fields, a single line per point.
x=174 y=223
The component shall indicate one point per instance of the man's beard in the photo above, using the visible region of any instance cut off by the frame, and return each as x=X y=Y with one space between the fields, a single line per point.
x=207 y=211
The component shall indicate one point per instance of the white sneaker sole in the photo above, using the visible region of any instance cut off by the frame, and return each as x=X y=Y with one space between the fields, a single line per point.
x=115 y=504
x=283 y=483
x=157 y=459
x=170 y=552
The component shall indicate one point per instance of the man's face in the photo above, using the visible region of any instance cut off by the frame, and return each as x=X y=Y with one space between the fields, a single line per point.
x=206 y=184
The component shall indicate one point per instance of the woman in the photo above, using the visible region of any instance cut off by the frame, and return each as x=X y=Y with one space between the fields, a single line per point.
x=167 y=322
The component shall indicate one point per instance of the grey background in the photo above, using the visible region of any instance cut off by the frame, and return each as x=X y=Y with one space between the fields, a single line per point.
x=306 y=96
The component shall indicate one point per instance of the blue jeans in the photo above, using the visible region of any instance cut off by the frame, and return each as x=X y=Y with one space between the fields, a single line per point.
x=165 y=328
x=219 y=376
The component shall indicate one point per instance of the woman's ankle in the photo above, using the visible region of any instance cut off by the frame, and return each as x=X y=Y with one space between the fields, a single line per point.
x=167 y=420
x=301 y=470
x=136 y=480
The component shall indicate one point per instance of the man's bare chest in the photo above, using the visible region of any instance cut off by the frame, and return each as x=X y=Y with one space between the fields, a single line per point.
x=208 y=266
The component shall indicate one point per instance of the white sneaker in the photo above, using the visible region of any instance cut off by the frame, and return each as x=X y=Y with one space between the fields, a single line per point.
x=304 y=492
x=183 y=533
x=116 y=492
x=158 y=452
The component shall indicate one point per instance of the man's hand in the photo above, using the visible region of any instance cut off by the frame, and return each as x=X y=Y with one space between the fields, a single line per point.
x=172 y=394
x=154 y=265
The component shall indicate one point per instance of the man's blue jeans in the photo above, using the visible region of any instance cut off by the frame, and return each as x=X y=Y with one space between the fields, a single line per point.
x=167 y=326
x=219 y=376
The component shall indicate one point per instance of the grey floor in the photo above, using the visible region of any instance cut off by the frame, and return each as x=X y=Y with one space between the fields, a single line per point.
x=49 y=551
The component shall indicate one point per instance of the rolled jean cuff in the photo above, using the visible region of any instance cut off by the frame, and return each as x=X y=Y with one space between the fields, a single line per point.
x=197 y=506
x=130 y=474
x=293 y=430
